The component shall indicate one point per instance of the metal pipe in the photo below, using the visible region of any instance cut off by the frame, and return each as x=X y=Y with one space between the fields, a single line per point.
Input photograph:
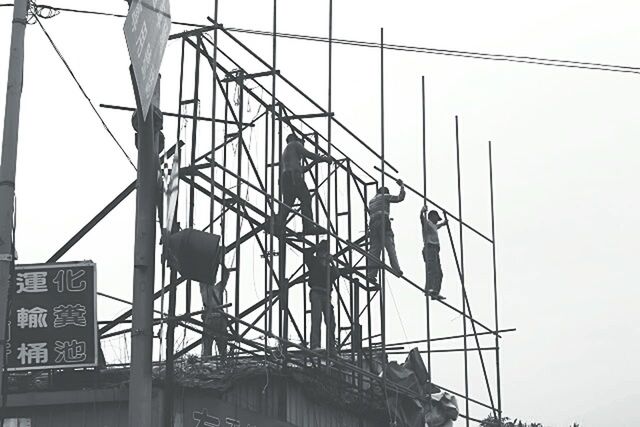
x=424 y=191
x=194 y=136
x=238 y=250
x=495 y=288
x=464 y=308
x=329 y=284
x=169 y=353
x=178 y=115
x=213 y=111
x=384 y=228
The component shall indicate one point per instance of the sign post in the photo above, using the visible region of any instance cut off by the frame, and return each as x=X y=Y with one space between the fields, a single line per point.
x=146 y=31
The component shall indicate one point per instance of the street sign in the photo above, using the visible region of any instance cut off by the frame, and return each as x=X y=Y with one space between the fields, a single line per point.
x=53 y=322
x=146 y=31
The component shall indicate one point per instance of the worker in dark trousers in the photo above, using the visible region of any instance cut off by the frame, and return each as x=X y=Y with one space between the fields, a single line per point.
x=215 y=322
x=292 y=182
x=431 y=222
x=380 y=232
x=322 y=276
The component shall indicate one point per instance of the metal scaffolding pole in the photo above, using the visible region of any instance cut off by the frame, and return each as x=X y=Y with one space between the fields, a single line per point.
x=329 y=283
x=464 y=307
x=383 y=323
x=424 y=191
x=495 y=288
x=214 y=66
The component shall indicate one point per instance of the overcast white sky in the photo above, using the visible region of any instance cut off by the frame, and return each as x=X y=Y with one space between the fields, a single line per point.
x=566 y=163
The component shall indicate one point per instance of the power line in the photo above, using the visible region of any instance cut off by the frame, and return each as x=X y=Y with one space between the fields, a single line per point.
x=563 y=63
x=104 y=124
x=463 y=54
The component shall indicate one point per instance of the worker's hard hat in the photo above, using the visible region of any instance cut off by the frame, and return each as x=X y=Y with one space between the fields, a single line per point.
x=383 y=190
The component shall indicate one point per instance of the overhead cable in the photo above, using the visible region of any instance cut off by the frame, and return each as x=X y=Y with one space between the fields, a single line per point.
x=66 y=64
x=564 y=63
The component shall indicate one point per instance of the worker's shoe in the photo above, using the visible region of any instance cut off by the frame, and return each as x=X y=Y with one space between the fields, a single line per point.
x=437 y=297
x=398 y=273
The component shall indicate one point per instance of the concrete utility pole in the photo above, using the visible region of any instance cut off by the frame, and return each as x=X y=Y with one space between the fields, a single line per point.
x=148 y=136
x=8 y=170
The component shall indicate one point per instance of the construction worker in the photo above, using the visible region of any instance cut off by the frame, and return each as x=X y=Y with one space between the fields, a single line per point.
x=322 y=275
x=292 y=181
x=431 y=222
x=380 y=231
x=215 y=322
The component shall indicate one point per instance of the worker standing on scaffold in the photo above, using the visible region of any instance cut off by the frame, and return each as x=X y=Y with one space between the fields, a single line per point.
x=215 y=321
x=322 y=276
x=431 y=222
x=293 y=185
x=380 y=231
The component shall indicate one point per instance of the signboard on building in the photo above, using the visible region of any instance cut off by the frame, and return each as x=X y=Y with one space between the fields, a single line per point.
x=53 y=320
x=146 y=31
x=204 y=411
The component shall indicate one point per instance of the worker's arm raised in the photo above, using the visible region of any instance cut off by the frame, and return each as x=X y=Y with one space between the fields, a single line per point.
x=311 y=155
x=400 y=197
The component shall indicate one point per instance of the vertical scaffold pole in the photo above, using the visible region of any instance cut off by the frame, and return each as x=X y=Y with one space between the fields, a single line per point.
x=238 y=249
x=214 y=96
x=464 y=307
x=424 y=191
x=273 y=163
x=8 y=172
x=328 y=272
x=495 y=288
x=382 y=270
x=173 y=276
x=194 y=137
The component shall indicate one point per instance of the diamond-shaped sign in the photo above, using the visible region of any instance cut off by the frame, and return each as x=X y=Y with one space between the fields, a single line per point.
x=146 y=31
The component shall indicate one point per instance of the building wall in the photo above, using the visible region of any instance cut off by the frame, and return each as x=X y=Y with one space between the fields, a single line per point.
x=76 y=408
x=247 y=403
x=287 y=400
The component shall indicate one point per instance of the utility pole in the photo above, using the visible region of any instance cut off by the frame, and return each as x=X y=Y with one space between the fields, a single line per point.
x=148 y=136
x=8 y=172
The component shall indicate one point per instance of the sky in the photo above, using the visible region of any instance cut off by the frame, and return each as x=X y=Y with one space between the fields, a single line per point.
x=565 y=162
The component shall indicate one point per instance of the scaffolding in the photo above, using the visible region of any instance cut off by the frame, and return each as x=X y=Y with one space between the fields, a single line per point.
x=232 y=190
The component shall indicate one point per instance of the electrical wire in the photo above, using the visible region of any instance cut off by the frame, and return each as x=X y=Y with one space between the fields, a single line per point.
x=395 y=47
x=66 y=64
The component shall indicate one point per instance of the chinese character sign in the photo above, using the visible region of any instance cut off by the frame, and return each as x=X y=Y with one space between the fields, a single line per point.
x=52 y=322
x=146 y=31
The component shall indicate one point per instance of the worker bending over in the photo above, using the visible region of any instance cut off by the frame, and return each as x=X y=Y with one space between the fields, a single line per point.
x=292 y=182
x=431 y=222
x=380 y=231
x=215 y=321
x=322 y=276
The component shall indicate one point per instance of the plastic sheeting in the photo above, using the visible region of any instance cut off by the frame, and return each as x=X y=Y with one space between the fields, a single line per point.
x=407 y=411
x=444 y=410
